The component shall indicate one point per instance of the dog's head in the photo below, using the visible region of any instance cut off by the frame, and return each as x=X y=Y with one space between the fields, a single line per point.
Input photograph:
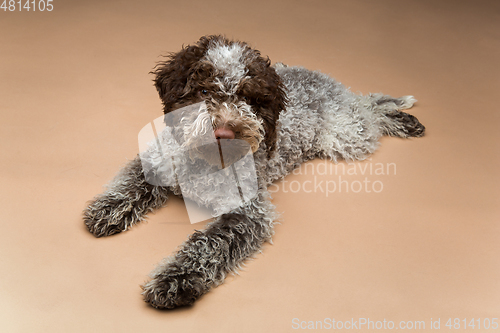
x=242 y=92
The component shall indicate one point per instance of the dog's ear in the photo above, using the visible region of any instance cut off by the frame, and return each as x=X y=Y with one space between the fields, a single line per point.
x=272 y=98
x=171 y=76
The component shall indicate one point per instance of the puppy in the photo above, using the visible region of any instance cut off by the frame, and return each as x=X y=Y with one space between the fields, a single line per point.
x=284 y=115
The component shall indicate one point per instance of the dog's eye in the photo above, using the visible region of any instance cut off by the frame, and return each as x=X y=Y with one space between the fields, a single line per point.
x=203 y=92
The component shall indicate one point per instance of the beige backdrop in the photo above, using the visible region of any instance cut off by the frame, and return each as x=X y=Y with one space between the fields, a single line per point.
x=410 y=235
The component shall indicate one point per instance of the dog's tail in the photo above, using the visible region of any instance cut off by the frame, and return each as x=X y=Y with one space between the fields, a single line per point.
x=393 y=121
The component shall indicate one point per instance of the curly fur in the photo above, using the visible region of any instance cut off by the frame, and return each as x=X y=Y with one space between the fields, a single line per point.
x=288 y=115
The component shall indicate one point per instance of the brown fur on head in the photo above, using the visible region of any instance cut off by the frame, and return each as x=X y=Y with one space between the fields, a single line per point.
x=242 y=91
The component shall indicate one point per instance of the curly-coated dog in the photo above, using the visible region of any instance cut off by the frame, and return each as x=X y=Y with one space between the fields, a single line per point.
x=287 y=115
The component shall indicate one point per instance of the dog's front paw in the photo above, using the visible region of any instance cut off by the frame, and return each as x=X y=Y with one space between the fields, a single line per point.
x=171 y=291
x=105 y=217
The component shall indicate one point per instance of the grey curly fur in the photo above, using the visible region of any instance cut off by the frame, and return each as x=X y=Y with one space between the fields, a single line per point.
x=322 y=119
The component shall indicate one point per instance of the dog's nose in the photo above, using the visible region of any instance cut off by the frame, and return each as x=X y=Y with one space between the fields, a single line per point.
x=223 y=133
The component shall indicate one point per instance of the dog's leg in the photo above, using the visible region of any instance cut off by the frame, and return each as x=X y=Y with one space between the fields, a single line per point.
x=393 y=121
x=208 y=256
x=126 y=201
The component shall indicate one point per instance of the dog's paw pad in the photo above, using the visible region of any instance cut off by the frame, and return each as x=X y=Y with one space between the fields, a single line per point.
x=101 y=219
x=169 y=292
